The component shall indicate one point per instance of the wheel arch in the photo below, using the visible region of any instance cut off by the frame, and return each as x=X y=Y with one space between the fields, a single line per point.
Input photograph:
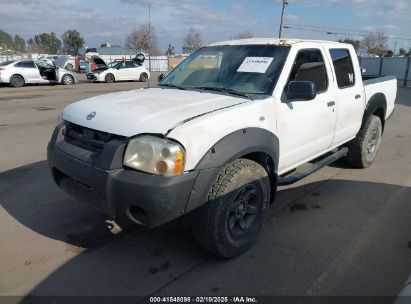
x=17 y=74
x=259 y=145
x=377 y=105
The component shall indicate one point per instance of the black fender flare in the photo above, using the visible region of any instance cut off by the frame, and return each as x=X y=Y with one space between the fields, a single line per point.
x=235 y=145
x=376 y=102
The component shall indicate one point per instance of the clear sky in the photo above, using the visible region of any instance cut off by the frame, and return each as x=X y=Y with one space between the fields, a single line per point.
x=101 y=21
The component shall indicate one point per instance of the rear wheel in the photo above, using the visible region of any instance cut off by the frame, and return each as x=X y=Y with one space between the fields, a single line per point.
x=67 y=80
x=233 y=215
x=109 y=78
x=143 y=77
x=364 y=147
x=17 y=81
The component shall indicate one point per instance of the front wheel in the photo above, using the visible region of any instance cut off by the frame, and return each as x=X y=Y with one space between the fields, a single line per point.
x=109 y=78
x=143 y=77
x=362 y=150
x=67 y=80
x=233 y=215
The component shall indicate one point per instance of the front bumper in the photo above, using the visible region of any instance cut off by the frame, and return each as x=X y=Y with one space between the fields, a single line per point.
x=99 y=179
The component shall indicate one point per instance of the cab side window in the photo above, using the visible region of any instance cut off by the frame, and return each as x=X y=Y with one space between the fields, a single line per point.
x=26 y=64
x=130 y=64
x=309 y=66
x=343 y=67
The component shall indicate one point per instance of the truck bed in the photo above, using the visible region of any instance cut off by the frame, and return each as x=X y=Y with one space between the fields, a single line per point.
x=386 y=85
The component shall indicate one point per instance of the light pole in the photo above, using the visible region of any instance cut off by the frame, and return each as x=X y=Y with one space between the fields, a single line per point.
x=285 y=3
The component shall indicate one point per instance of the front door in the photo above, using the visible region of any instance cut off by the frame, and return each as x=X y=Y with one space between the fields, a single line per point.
x=306 y=128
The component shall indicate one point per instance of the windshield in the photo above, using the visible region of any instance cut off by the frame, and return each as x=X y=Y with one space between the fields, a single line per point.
x=247 y=69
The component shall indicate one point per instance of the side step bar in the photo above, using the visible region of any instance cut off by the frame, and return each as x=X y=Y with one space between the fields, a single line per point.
x=291 y=179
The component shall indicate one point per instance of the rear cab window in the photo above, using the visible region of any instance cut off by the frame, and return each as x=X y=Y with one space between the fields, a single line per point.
x=309 y=65
x=344 y=70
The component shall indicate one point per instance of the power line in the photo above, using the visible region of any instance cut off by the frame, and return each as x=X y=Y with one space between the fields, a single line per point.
x=308 y=28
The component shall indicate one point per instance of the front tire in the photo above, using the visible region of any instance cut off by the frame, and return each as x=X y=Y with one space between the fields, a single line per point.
x=109 y=78
x=362 y=150
x=67 y=80
x=233 y=215
x=17 y=81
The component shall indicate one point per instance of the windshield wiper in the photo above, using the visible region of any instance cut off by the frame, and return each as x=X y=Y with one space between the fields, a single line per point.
x=224 y=90
x=172 y=86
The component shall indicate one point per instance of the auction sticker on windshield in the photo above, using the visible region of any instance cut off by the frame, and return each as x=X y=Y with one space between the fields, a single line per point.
x=255 y=64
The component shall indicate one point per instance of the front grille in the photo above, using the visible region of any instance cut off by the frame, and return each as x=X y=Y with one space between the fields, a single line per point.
x=86 y=138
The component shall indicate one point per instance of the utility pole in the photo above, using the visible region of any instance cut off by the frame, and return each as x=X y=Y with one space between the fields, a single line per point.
x=395 y=47
x=285 y=3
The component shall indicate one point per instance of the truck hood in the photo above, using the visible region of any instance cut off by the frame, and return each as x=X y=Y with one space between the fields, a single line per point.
x=153 y=110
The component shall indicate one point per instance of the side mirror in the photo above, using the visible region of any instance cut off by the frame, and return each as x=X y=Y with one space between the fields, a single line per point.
x=301 y=90
x=161 y=77
x=118 y=68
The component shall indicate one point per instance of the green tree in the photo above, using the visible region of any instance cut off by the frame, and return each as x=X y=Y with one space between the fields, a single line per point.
x=402 y=52
x=6 y=40
x=48 y=42
x=355 y=43
x=19 y=44
x=72 y=41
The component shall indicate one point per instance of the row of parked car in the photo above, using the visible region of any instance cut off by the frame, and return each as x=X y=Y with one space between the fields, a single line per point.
x=18 y=73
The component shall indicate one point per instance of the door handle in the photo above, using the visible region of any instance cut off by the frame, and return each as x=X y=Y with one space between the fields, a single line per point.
x=331 y=103
x=358 y=96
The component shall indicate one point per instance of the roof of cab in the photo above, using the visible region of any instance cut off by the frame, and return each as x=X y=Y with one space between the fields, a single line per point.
x=273 y=41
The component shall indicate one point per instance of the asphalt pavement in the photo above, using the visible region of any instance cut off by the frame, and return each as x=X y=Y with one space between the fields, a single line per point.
x=341 y=231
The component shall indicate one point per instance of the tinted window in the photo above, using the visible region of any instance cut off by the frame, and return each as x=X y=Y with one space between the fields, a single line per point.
x=6 y=63
x=343 y=67
x=309 y=66
x=25 y=64
x=130 y=64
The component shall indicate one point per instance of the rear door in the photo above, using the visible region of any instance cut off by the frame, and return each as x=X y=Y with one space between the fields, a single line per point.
x=306 y=128
x=131 y=70
x=349 y=93
x=29 y=71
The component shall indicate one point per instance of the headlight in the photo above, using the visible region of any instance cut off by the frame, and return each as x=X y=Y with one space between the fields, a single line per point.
x=154 y=155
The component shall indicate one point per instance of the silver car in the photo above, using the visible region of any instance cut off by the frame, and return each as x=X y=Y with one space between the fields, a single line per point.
x=21 y=72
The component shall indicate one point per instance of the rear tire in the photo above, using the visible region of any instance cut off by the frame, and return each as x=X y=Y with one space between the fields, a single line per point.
x=109 y=78
x=362 y=150
x=17 y=81
x=143 y=77
x=233 y=215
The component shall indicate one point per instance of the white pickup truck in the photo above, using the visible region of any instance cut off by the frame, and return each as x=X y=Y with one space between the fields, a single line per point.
x=211 y=143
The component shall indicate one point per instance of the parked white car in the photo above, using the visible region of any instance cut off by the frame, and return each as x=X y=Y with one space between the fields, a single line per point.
x=121 y=71
x=221 y=131
x=21 y=72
